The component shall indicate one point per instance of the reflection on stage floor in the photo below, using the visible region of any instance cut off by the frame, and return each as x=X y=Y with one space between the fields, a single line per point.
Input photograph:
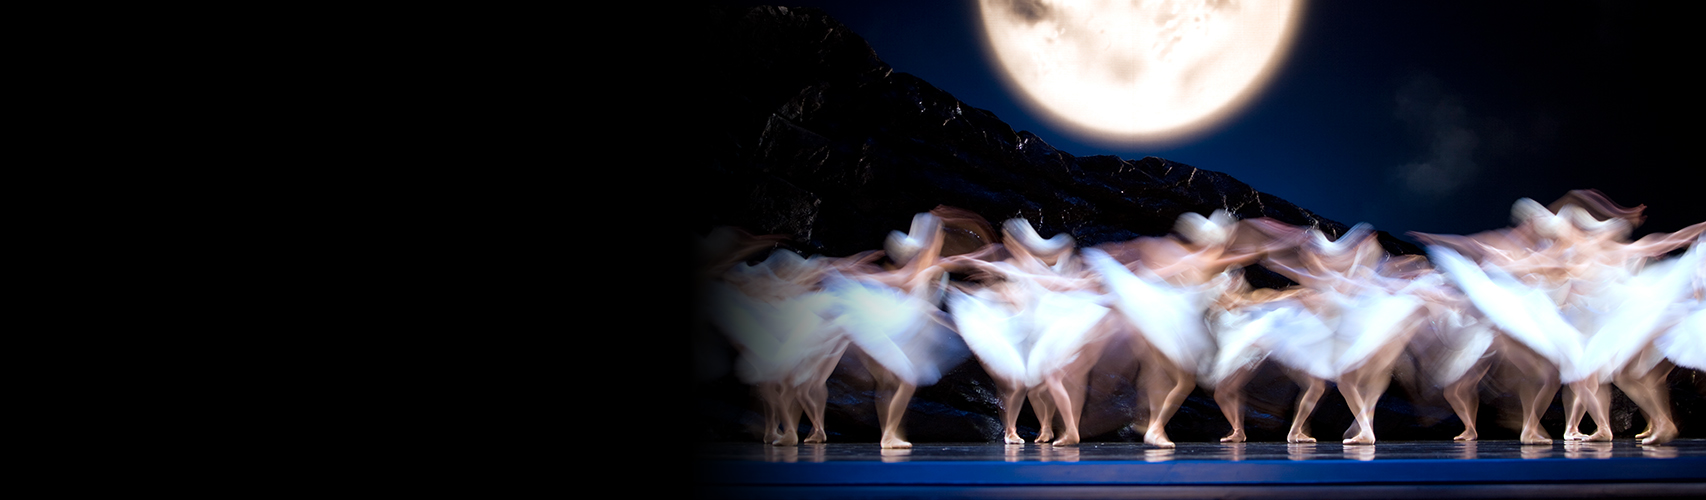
x=1484 y=469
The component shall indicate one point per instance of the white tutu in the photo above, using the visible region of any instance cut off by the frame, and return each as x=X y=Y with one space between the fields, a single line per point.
x=1525 y=313
x=773 y=339
x=1026 y=341
x=1064 y=323
x=1371 y=320
x=1170 y=317
x=1281 y=329
x=1639 y=309
x=1685 y=343
x=998 y=332
x=897 y=330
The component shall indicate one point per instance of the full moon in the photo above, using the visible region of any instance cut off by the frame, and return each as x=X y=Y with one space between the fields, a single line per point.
x=1138 y=70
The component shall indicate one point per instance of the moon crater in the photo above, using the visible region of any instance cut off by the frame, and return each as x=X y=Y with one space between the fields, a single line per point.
x=1149 y=70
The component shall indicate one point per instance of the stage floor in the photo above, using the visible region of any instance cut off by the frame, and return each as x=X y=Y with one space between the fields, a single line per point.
x=1482 y=469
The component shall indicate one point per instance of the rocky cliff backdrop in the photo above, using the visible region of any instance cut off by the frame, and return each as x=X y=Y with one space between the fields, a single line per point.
x=814 y=137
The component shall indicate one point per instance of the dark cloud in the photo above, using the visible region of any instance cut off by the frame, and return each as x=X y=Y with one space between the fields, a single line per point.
x=1440 y=120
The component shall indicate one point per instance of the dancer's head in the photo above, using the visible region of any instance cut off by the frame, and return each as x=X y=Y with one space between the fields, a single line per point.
x=925 y=234
x=1210 y=231
x=1021 y=237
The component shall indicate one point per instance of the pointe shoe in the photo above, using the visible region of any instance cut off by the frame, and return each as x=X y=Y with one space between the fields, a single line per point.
x=1660 y=437
x=1157 y=439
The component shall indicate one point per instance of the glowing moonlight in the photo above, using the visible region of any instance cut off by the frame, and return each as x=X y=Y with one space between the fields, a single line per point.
x=1138 y=70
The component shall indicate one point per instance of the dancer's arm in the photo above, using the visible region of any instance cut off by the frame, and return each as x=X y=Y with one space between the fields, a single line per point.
x=1656 y=244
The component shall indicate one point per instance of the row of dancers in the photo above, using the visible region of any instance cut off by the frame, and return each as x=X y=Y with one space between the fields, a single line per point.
x=1563 y=296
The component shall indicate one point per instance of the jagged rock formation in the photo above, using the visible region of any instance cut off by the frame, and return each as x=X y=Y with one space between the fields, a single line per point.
x=814 y=137
x=822 y=141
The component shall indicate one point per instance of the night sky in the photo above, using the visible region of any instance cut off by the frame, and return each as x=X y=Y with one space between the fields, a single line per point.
x=1499 y=100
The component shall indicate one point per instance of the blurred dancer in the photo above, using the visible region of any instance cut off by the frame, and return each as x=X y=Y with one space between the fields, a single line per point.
x=1035 y=327
x=775 y=318
x=1248 y=327
x=1453 y=346
x=1371 y=316
x=1569 y=290
x=891 y=316
x=1163 y=287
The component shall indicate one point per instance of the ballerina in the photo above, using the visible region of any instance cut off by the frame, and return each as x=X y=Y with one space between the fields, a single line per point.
x=1248 y=326
x=1454 y=345
x=1035 y=331
x=774 y=316
x=1371 y=315
x=892 y=317
x=1536 y=337
x=1592 y=327
x=1682 y=344
x=1164 y=293
x=1639 y=308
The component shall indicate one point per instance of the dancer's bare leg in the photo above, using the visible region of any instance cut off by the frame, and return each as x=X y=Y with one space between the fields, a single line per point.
x=1598 y=398
x=770 y=395
x=1043 y=404
x=1069 y=418
x=1534 y=403
x=1368 y=382
x=1648 y=391
x=882 y=396
x=1075 y=383
x=1012 y=396
x=1643 y=398
x=815 y=395
x=1230 y=397
x=1539 y=382
x=1313 y=388
x=1574 y=410
x=1351 y=385
x=1167 y=388
x=1465 y=402
x=790 y=411
x=892 y=435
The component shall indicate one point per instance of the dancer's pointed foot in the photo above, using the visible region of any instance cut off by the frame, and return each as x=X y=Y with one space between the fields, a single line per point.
x=1361 y=438
x=1603 y=434
x=1661 y=436
x=891 y=443
x=1157 y=438
x=817 y=436
x=1574 y=435
x=786 y=440
x=1237 y=436
x=1535 y=438
x=1045 y=436
x=1467 y=435
x=1298 y=436
x=1013 y=438
x=1065 y=441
